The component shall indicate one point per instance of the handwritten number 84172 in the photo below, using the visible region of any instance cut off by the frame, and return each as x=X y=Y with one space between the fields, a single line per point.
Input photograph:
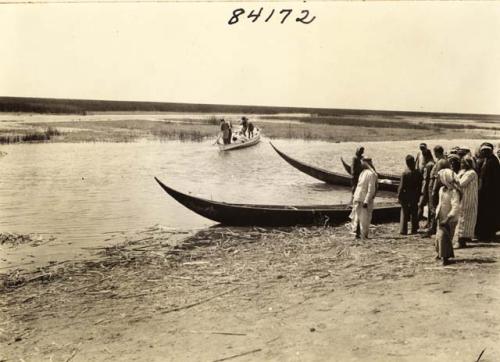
x=283 y=14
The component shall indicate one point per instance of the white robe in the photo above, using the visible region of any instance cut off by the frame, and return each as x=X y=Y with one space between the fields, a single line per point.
x=364 y=194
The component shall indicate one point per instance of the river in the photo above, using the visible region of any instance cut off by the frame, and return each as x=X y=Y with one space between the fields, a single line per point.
x=86 y=190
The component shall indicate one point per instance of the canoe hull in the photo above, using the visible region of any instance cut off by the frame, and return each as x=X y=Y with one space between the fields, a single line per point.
x=330 y=177
x=274 y=215
x=236 y=146
x=386 y=176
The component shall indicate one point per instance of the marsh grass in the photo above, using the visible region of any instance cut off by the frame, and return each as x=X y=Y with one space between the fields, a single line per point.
x=30 y=136
x=330 y=129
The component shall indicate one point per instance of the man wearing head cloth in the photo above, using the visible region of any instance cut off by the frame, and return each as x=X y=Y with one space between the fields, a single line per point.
x=454 y=160
x=488 y=215
x=419 y=159
x=468 y=183
x=363 y=199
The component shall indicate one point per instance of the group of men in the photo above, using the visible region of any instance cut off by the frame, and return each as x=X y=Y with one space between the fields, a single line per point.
x=226 y=129
x=477 y=179
x=478 y=183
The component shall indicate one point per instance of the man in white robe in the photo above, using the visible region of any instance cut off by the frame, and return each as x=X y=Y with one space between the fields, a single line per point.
x=363 y=199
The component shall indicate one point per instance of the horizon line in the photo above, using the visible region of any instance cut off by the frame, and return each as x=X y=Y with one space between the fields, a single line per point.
x=297 y=108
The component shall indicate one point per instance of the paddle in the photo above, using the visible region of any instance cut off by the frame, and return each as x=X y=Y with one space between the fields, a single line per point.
x=217 y=140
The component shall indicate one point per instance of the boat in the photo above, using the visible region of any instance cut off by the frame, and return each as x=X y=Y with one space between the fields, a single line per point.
x=330 y=177
x=387 y=176
x=274 y=215
x=239 y=140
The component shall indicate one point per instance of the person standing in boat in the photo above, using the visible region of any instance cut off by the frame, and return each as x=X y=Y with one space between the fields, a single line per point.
x=251 y=127
x=363 y=199
x=408 y=195
x=244 y=125
x=225 y=131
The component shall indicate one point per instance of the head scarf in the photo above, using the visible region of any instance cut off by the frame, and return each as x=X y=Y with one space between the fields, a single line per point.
x=427 y=155
x=450 y=180
x=486 y=146
x=368 y=163
x=462 y=151
x=410 y=162
x=469 y=161
x=453 y=156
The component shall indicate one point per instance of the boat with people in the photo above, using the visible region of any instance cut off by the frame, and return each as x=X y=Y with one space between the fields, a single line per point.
x=382 y=175
x=274 y=215
x=331 y=177
x=245 y=136
x=239 y=140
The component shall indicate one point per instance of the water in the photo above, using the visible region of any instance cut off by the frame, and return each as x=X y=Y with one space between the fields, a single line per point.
x=82 y=192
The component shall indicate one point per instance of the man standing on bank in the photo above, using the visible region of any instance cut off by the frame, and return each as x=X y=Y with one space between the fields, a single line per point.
x=408 y=196
x=356 y=167
x=435 y=186
x=363 y=199
x=420 y=161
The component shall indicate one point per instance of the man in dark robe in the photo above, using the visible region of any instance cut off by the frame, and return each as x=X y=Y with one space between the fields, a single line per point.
x=356 y=167
x=434 y=186
x=426 y=180
x=225 y=131
x=408 y=196
x=489 y=195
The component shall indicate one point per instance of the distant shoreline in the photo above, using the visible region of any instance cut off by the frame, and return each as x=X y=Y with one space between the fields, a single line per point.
x=80 y=106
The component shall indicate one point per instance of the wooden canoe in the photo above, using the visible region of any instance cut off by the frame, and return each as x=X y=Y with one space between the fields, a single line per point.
x=274 y=215
x=240 y=142
x=387 y=176
x=330 y=177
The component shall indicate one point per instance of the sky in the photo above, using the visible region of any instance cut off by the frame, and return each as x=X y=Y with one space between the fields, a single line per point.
x=414 y=56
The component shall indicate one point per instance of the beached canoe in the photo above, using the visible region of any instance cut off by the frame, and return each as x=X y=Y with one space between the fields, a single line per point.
x=239 y=141
x=330 y=177
x=274 y=215
x=381 y=175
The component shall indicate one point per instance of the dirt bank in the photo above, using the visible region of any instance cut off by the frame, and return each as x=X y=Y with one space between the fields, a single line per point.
x=258 y=294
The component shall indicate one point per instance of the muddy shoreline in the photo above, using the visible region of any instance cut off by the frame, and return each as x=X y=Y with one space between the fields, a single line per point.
x=267 y=294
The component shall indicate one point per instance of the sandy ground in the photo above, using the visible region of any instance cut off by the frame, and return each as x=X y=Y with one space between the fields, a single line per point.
x=251 y=294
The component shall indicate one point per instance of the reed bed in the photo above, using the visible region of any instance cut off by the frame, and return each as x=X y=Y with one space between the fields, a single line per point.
x=311 y=258
x=205 y=129
x=31 y=136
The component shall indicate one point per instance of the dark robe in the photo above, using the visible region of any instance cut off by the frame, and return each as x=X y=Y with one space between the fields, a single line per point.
x=356 y=169
x=488 y=213
x=408 y=196
x=424 y=198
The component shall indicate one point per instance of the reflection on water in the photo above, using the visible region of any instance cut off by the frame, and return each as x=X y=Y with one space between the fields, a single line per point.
x=82 y=191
